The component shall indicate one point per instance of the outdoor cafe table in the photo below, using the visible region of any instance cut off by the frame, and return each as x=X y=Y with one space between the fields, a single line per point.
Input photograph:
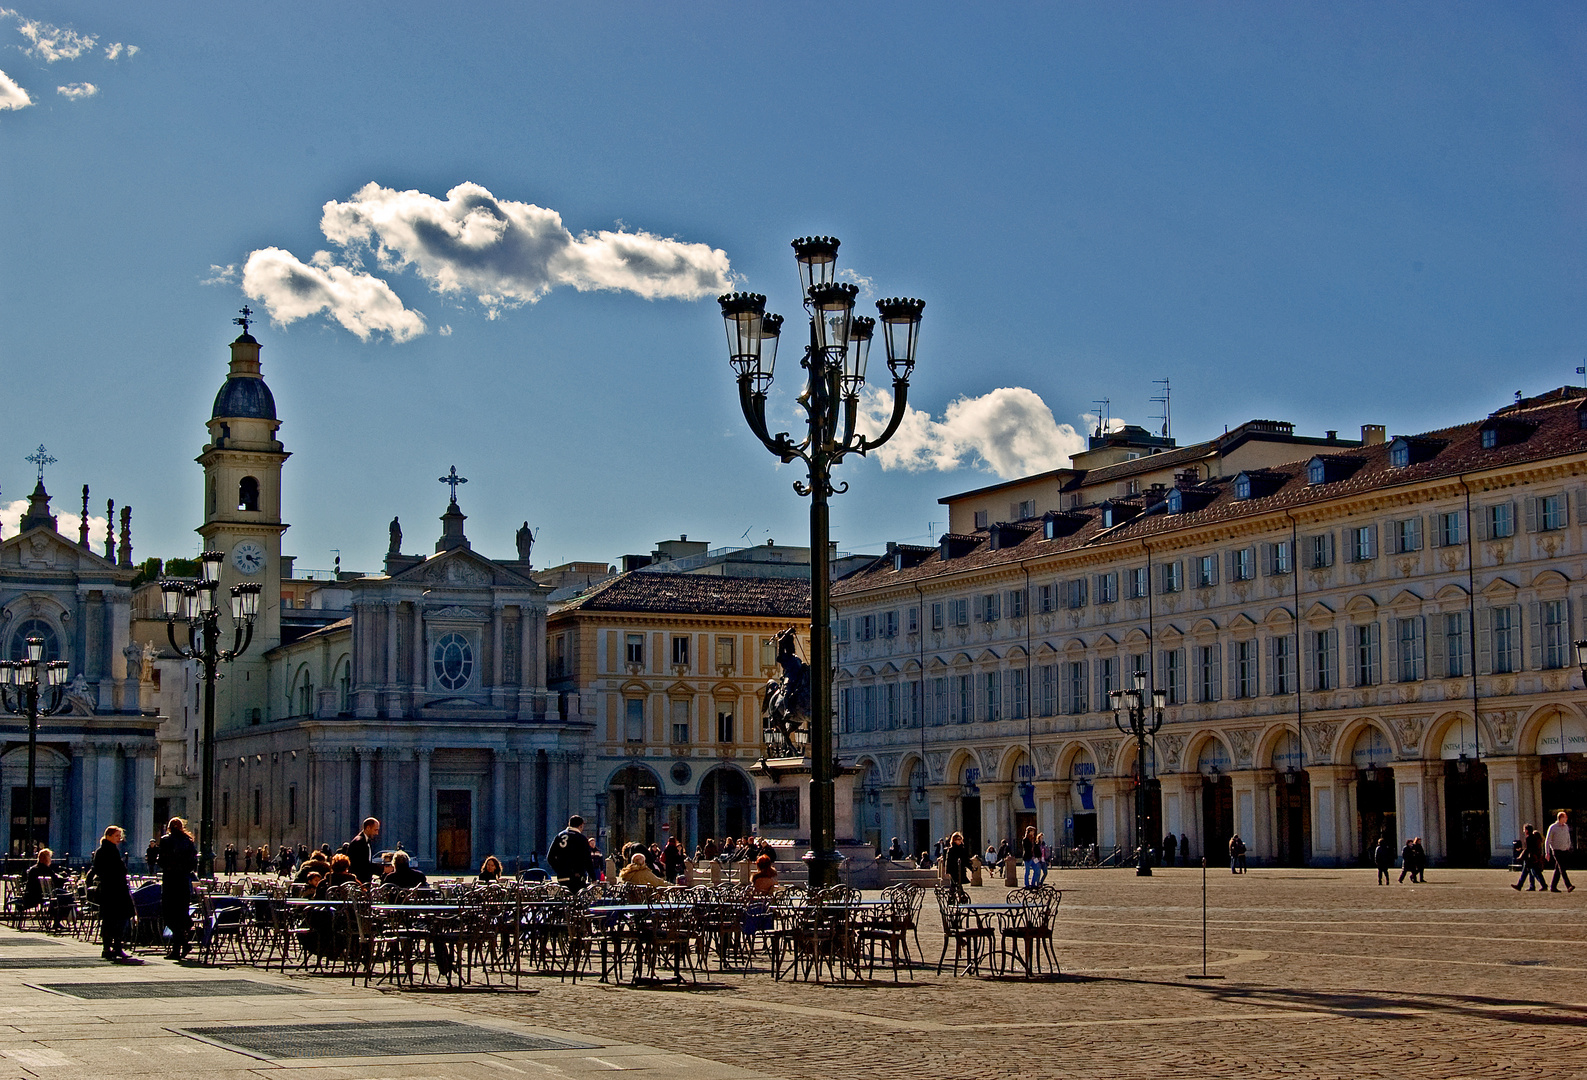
x=998 y=911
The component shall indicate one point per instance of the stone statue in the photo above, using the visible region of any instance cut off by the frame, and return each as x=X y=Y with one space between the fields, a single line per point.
x=526 y=542
x=396 y=537
x=785 y=705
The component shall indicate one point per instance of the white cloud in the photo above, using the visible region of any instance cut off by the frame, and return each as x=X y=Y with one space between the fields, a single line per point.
x=292 y=289
x=115 y=49
x=445 y=331
x=1009 y=431
x=66 y=522
x=77 y=91
x=220 y=275
x=52 y=43
x=12 y=96
x=507 y=253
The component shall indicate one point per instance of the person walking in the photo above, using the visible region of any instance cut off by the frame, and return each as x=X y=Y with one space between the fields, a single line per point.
x=1383 y=859
x=231 y=859
x=569 y=855
x=1027 y=855
x=1169 y=844
x=1531 y=860
x=1408 y=861
x=672 y=860
x=108 y=877
x=1556 y=849
x=178 y=864
x=1236 y=854
x=1419 y=871
x=958 y=867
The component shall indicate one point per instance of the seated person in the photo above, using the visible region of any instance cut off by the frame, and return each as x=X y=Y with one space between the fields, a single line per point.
x=404 y=876
x=34 y=877
x=637 y=872
x=764 y=880
x=491 y=870
x=317 y=864
x=341 y=874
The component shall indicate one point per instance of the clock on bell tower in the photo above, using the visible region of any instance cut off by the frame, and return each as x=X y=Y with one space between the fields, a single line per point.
x=242 y=519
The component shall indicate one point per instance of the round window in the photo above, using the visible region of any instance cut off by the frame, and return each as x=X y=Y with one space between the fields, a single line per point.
x=454 y=661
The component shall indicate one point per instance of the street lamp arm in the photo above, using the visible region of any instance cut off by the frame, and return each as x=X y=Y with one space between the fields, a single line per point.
x=900 y=407
x=754 y=405
x=241 y=641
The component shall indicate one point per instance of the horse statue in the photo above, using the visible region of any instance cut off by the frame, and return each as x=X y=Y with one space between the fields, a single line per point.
x=785 y=704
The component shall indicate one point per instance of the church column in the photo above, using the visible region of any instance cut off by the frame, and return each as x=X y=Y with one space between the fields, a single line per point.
x=139 y=828
x=530 y=817
x=366 y=782
x=425 y=802
x=557 y=812
x=419 y=657
x=526 y=683
x=366 y=697
x=691 y=825
x=393 y=677
x=106 y=793
x=500 y=834
x=498 y=669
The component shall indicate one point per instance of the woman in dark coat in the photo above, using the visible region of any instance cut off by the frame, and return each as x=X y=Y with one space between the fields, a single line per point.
x=109 y=875
x=958 y=868
x=178 y=864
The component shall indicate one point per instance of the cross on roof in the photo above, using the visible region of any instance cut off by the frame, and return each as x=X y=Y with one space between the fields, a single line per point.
x=243 y=322
x=40 y=458
x=452 y=480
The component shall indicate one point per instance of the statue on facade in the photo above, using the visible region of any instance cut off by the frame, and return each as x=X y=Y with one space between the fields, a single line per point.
x=785 y=705
x=526 y=542
x=396 y=538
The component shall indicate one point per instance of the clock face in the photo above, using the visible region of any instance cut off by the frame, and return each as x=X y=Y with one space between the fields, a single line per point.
x=248 y=557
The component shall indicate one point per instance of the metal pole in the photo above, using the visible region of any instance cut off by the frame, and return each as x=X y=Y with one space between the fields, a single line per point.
x=32 y=697
x=823 y=858
x=1143 y=866
x=206 y=830
x=1203 y=974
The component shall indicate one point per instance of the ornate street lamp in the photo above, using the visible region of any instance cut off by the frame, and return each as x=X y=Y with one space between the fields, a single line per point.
x=21 y=683
x=195 y=603
x=834 y=364
x=1132 y=716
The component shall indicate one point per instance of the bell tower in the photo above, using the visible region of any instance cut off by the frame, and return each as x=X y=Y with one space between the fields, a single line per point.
x=242 y=519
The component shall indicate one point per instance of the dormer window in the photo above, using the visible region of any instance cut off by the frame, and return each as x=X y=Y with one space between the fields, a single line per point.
x=1502 y=431
x=1490 y=438
x=1176 y=501
x=1242 y=487
x=1400 y=454
x=1317 y=471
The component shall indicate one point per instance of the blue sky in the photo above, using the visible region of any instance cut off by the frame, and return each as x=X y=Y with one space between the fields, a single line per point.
x=1334 y=214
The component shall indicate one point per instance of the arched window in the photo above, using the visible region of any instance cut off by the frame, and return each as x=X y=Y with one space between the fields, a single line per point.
x=454 y=661
x=35 y=628
x=248 y=494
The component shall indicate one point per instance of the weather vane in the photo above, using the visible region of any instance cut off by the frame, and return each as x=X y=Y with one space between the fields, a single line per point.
x=243 y=322
x=41 y=458
x=452 y=480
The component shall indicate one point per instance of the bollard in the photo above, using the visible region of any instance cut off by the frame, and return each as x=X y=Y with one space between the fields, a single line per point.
x=716 y=872
x=1011 y=872
x=975 y=871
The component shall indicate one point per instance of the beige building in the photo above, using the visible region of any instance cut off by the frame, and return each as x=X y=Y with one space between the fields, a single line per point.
x=668 y=670
x=1362 y=640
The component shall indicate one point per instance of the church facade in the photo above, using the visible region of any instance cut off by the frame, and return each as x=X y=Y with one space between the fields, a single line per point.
x=96 y=756
x=425 y=704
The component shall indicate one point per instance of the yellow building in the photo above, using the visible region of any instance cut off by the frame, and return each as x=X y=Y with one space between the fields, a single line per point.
x=1364 y=641
x=669 y=669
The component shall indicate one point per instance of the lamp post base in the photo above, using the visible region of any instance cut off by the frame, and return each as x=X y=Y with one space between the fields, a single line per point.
x=822 y=868
x=1143 y=870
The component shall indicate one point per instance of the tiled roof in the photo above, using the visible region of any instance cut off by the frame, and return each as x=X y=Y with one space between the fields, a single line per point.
x=1558 y=433
x=697 y=594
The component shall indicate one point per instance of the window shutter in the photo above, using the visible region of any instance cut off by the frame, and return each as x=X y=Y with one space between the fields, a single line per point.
x=1349 y=646
x=1085 y=687
x=1437 y=661
x=1414 y=527
x=1270 y=559
x=1391 y=538
x=1484 y=641
x=1397 y=666
x=1328 y=545
x=1579 y=497
x=1272 y=666
x=1532 y=513
x=1065 y=695
x=1372 y=541
x=1309 y=661
x=1217 y=673
x=1419 y=647
x=1376 y=652
x=1517 y=652
x=1534 y=633
x=1435 y=531
x=1482 y=517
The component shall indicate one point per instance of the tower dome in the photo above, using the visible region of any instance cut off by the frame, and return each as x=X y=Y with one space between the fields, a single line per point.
x=244 y=393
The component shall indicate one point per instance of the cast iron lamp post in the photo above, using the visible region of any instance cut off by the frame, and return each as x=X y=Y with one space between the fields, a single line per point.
x=1133 y=716
x=20 y=684
x=834 y=364
x=195 y=603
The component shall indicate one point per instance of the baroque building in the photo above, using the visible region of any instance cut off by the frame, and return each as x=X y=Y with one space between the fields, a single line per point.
x=1356 y=640
x=417 y=696
x=96 y=758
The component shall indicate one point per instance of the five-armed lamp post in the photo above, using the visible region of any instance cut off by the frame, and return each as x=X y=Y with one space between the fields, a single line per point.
x=195 y=603
x=20 y=684
x=834 y=363
x=1133 y=716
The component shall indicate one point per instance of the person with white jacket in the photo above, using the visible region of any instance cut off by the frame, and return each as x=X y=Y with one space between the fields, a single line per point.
x=1556 y=849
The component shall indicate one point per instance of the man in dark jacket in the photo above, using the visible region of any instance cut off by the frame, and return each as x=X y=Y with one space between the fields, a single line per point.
x=569 y=855
x=107 y=877
x=359 y=851
x=178 y=863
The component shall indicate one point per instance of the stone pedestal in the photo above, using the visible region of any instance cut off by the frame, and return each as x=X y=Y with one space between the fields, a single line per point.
x=780 y=781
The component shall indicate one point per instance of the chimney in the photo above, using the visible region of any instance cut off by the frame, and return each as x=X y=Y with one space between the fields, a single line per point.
x=1372 y=434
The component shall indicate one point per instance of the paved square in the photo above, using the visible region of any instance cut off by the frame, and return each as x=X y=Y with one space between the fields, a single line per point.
x=1326 y=975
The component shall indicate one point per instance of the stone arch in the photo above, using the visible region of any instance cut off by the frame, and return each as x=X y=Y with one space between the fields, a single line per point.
x=1280 y=737
x=1452 y=594
x=1068 y=754
x=1010 y=761
x=1345 y=745
x=1137 y=636
x=1362 y=605
x=1456 y=728
x=1199 y=742
x=1552 y=721
x=906 y=770
x=959 y=760
x=726 y=800
x=1549 y=579
x=1204 y=627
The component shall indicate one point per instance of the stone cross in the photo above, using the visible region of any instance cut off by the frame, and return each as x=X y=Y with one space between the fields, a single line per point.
x=41 y=458
x=451 y=479
x=243 y=322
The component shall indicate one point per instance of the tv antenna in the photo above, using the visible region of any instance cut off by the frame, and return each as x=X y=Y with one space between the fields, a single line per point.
x=1103 y=418
x=1167 y=415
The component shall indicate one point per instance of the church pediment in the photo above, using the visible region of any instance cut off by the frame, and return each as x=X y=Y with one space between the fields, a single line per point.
x=42 y=548
x=463 y=570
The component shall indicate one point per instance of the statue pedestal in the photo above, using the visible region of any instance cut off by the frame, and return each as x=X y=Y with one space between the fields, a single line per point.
x=782 y=801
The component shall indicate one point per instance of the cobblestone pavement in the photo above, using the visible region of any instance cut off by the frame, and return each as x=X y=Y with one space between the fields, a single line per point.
x=1326 y=974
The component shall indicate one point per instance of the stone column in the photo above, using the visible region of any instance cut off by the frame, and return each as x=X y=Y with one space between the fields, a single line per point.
x=106 y=791
x=557 y=812
x=366 y=782
x=691 y=824
x=424 y=801
x=498 y=668
x=1253 y=789
x=139 y=829
x=526 y=682
x=997 y=823
x=500 y=833
x=420 y=657
x=1331 y=797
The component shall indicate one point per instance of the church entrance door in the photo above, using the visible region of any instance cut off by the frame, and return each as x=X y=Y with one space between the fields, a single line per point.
x=454 y=830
